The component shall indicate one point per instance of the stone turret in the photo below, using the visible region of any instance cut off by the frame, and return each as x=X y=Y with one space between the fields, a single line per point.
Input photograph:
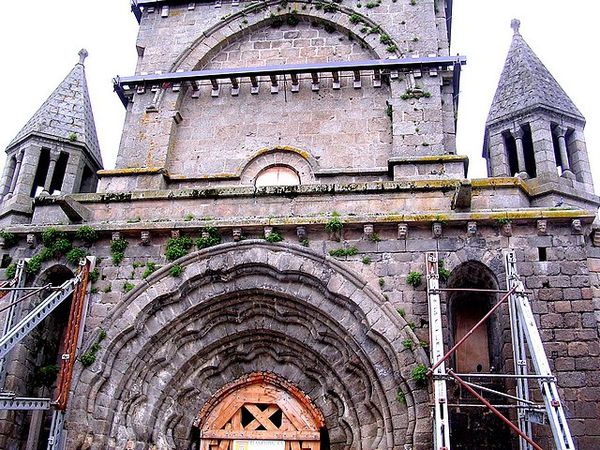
x=535 y=131
x=56 y=152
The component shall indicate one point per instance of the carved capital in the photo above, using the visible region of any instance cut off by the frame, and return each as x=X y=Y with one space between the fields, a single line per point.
x=517 y=132
x=560 y=131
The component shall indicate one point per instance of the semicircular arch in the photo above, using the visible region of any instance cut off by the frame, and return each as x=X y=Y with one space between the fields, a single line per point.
x=231 y=28
x=246 y=307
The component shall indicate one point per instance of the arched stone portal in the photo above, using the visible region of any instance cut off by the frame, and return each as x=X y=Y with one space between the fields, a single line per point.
x=252 y=307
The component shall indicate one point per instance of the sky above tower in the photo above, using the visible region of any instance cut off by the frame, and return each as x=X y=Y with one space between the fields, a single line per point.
x=40 y=47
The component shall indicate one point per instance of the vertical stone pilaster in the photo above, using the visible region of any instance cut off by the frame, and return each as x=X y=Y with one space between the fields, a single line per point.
x=543 y=148
x=580 y=163
x=15 y=177
x=73 y=173
x=498 y=158
x=8 y=175
x=29 y=165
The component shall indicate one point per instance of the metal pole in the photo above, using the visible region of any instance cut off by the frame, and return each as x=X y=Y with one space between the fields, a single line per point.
x=471 y=331
x=494 y=410
x=519 y=349
x=441 y=422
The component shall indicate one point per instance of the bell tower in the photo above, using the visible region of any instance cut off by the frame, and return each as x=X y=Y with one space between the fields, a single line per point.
x=56 y=152
x=535 y=131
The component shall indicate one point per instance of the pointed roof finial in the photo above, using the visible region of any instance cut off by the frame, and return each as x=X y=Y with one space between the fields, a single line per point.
x=83 y=53
x=515 y=24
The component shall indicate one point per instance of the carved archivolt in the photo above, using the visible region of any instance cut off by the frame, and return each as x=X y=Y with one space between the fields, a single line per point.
x=175 y=344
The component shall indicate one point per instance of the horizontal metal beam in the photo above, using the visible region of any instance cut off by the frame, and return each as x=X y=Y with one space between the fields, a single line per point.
x=23 y=403
x=347 y=66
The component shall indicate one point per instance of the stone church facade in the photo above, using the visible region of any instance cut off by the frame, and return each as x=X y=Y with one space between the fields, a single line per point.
x=283 y=168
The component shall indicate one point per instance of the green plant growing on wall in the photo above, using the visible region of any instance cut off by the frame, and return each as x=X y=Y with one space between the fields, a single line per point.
x=51 y=235
x=176 y=271
x=355 y=18
x=274 y=236
x=10 y=239
x=89 y=357
x=178 y=247
x=75 y=255
x=402 y=312
x=374 y=237
x=381 y=282
x=414 y=278
x=503 y=221
x=213 y=238
x=34 y=265
x=408 y=344
x=117 y=250
x=292 y=19
x=335 y=226
x=46 y=375
x=128 y=287
x=366 y=260
x=443 y=273
x=61 y=247
x=415 y=93
x=87 y=234
x=94 y=275
x=385 y=39
x=391 y=48
x=344 y=251
x=419 y=374
x=150 y=269
x=11 y=270
x=72 y=137
x=389 y=111
x=401 y=397
x=304 y=242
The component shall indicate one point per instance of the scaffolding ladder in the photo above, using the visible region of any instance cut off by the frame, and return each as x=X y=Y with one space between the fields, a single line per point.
x=526 y=342
x=14 y=334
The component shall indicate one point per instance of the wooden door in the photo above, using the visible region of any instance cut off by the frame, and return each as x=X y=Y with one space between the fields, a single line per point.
x=260 y=414
x=474 y=355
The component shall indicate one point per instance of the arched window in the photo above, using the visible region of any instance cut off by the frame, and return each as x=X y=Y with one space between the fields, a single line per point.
x=277 y=176
x=466 y=309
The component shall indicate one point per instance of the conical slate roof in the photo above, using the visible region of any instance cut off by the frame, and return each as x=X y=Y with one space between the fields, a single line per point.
x=525 y=83
x=68 y=110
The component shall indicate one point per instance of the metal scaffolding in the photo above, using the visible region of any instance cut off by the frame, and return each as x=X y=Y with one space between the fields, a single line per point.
x=13 y=334
x=526 y=342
